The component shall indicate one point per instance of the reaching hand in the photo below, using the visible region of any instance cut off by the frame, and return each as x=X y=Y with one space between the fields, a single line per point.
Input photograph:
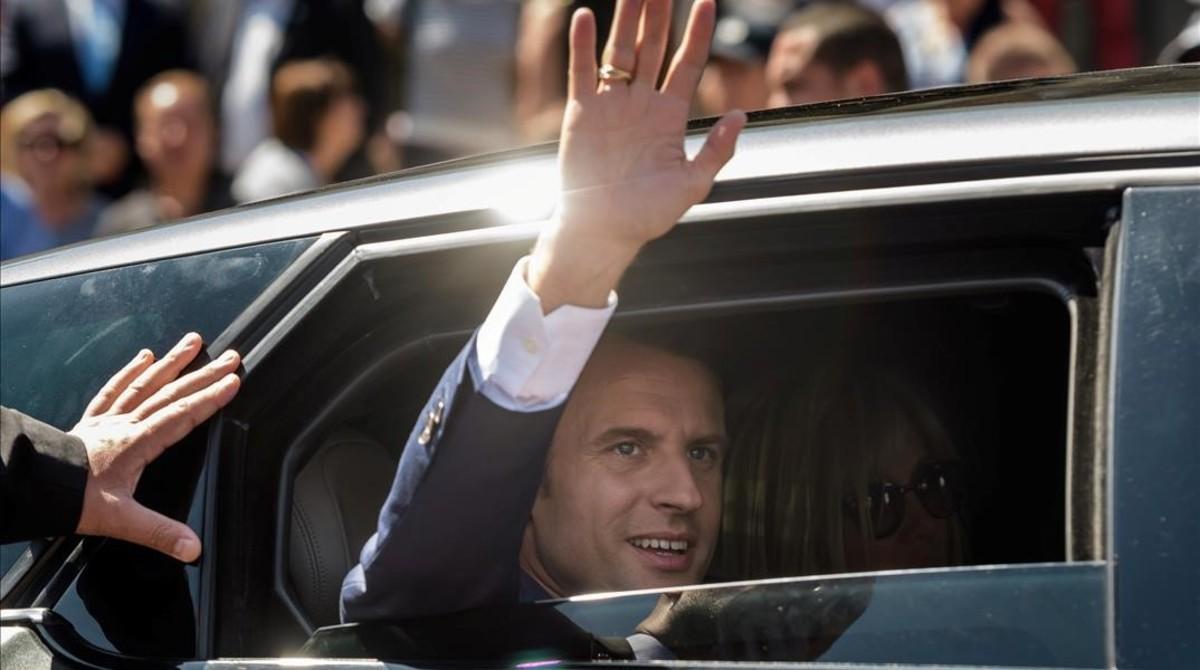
x=626 y=179
x=140 y=412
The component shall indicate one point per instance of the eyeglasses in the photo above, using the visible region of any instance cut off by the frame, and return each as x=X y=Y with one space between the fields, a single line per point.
x=938 y=485
x=46 y=146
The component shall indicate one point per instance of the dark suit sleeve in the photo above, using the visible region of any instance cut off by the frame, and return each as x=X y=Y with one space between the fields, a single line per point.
x=451 y=528
x=43 y=473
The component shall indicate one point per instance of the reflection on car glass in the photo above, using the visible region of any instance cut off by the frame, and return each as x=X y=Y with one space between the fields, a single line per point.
x=132 y=600
x=1036 y=615
x=60 y=338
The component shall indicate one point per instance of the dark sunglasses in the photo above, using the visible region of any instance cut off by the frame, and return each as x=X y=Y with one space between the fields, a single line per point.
x=939 y=485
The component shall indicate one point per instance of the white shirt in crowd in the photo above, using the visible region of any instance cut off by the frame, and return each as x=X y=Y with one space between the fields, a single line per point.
x=272 y=169
x=246 y=98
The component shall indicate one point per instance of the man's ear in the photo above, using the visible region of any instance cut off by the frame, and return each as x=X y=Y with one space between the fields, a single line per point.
x=863 y=79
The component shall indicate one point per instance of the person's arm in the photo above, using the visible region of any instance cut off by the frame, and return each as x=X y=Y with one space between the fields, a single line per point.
x=55 y=483
x=479 y=444
x=626 y=179
x=451 y=528
x=43 y=472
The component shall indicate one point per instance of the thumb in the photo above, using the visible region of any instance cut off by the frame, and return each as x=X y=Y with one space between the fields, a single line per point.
x=138 y=524
x=718 y=148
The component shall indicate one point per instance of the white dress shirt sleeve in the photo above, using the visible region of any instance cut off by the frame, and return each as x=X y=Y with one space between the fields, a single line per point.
x=526 y=361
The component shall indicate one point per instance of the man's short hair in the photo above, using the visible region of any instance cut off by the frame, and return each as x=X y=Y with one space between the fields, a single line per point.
x=1014 y=46
x=185 y=81
x=301 y=92
x=847 y=34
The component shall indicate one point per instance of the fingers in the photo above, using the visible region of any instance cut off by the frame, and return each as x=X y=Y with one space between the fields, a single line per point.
x=162 y=372
x=141 y=525
x=171 y=423
x=620 y=50
x=652 y=41
x=688 y=64
x=716 y=152
x=189 y=384
x=104 y=399
x=581 y=77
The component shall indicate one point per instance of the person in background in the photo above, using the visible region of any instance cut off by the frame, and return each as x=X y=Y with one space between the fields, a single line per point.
x=1016 y=51
x=828 y=51
x=240 y=44
x=1112 y=29
x=735 y=76
x=1185 y=48
x=318 y=122
x=937 y=35
x=841 y=470
x=48 y=200
x=98 y=52
x=443 y=53
x=176 y=140
x=540 y=92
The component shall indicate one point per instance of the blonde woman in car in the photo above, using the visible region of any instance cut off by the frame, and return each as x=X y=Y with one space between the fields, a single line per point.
x=843 y=471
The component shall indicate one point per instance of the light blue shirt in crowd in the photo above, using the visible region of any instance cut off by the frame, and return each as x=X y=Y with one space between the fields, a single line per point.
x=22 y=232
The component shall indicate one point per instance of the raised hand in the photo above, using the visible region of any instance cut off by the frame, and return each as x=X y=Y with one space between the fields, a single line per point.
x=626 y=179
x=145 y=408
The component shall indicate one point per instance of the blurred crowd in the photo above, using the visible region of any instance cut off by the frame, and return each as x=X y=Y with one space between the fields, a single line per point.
x=122 y=114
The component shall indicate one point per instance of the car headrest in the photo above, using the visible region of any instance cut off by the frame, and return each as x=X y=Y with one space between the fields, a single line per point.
x=336 y=499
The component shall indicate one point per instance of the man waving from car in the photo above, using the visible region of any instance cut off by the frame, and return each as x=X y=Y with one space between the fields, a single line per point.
x=506 y=491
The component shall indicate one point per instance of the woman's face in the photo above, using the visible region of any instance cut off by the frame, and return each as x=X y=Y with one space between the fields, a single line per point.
x=47 y=162
x=919 y=541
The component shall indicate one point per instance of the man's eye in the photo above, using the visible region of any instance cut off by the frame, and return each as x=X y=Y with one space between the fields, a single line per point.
x=626 y=449
x=702 y=454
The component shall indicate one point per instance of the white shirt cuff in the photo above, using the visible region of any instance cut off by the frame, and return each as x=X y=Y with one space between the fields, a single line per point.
x=527 y=361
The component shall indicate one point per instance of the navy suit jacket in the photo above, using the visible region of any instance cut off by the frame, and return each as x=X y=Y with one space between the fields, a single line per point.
x=450 y=531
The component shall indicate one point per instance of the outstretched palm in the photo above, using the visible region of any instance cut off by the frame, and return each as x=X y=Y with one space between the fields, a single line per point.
x=625 y=175
x=140 y=412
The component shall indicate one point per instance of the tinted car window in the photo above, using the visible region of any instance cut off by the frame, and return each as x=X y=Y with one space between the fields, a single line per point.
x=61 y=338
x=1019 y=616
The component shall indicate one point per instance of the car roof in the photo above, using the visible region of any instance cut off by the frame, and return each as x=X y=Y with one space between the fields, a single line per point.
x=1118 y=113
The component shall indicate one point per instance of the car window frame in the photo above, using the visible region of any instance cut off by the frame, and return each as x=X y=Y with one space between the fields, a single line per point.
x=775 y=206
x=1153 y=353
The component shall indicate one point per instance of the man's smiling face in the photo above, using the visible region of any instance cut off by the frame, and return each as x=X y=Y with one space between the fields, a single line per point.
x=632 y=491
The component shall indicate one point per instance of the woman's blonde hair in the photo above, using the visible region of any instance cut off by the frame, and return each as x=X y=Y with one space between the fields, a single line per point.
x=74 y=122
x=802 y=445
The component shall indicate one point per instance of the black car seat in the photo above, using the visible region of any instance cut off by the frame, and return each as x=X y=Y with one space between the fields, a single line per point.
x=335 y=506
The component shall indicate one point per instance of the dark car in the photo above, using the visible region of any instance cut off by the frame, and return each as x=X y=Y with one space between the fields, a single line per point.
x=1026 y=252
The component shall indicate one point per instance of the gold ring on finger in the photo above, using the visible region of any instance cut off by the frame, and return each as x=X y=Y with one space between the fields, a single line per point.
x=610 y=73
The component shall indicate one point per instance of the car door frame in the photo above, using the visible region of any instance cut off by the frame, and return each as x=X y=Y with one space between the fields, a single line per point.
x=1152 y=423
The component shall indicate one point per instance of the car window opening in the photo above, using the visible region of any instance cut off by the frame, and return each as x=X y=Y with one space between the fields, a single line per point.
x=950 y=412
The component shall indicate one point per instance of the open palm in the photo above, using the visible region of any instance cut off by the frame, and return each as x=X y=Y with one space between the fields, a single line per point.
x=625 y=175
